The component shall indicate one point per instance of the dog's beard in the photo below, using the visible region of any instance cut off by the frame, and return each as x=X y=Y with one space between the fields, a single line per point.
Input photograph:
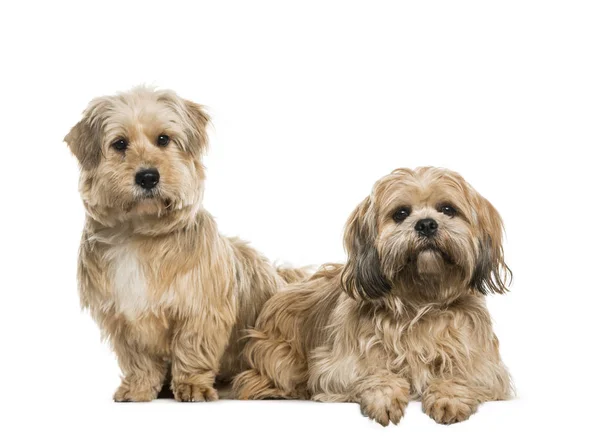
x=427 y=271
x=148 y=206
x=418 y=262
x=427 y=255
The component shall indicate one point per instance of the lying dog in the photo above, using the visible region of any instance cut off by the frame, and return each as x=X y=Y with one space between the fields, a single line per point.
x=405 y=317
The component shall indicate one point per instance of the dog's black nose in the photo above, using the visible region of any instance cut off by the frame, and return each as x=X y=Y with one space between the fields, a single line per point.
x=426 y=227
x=147 y=178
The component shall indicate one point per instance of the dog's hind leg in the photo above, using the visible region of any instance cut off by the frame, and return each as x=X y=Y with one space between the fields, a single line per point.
x=277 y=370
x=252 y=385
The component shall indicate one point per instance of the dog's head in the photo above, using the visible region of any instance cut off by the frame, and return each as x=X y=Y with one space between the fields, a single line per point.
x=140 y=155
x=424 y=230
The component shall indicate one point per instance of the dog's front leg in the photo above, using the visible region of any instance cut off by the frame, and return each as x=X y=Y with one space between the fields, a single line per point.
x=143 y=373
x=197 y=347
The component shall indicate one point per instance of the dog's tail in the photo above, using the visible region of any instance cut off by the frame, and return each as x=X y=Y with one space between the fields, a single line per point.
x=291 y=274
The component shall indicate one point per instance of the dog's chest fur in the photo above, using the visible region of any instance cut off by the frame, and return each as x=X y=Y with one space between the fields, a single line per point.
x=129 y=282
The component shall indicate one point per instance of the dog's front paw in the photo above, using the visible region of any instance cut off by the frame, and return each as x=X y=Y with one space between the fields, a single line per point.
x=185 y=392
x=134 y=393
x=448 y=410
x=384 y=404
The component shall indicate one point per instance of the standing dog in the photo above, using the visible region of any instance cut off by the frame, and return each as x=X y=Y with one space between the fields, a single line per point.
x=164 y=286
x=405 y=317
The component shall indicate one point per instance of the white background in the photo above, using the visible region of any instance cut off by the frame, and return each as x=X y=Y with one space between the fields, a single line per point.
x=311 y=103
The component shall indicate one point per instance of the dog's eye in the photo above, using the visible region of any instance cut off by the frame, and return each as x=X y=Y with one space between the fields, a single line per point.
x=447 y=210
x=163 y=140
x=401 y=214
x=120 y=144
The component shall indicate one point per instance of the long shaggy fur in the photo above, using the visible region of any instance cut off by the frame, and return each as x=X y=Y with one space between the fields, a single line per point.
x=167 y=290
x=404 y=318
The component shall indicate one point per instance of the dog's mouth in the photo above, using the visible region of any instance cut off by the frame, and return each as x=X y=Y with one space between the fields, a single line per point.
x=147 y=194
x=435 y=249
x=151 y=202
x=152 y=195
x=432 y=250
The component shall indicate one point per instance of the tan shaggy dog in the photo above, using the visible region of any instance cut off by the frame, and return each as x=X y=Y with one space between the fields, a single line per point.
x=165 y=287
x=405 y=317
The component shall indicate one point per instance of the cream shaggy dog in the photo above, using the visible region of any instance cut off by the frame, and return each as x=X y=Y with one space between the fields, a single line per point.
x=167 y=290
x=404 y=318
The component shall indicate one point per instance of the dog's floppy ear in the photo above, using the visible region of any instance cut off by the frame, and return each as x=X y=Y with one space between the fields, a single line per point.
x=199 y=119
x=362 y=276
x=491 y=274
x=85 y=138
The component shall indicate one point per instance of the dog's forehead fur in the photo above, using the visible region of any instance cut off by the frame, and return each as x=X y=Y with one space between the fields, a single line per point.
x=422 y=188
x=141 y=112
